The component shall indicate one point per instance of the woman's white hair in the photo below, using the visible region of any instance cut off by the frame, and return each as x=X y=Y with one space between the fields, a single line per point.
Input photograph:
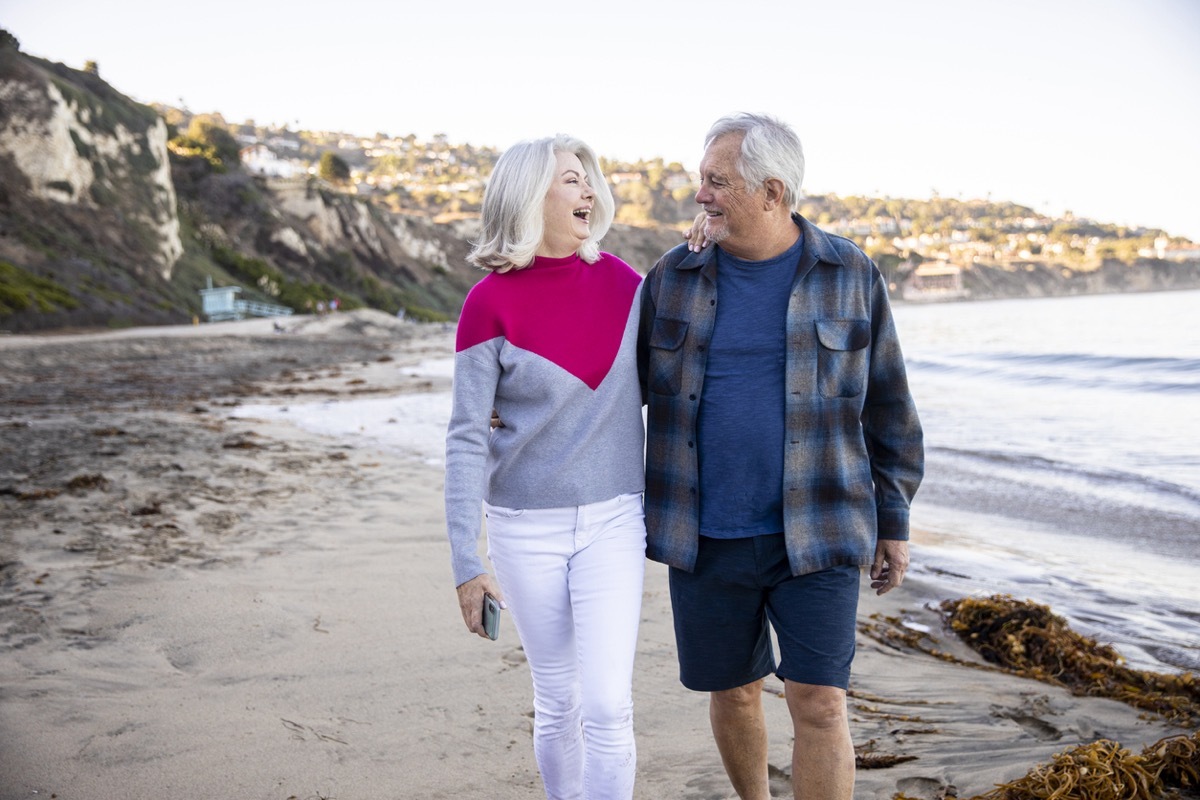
x=515 y=198
x=770 y=149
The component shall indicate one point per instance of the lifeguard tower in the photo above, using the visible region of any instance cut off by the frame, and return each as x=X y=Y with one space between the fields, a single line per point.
x=222 y=303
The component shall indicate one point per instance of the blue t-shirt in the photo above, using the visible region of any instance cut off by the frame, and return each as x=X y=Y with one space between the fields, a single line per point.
x=740 y=430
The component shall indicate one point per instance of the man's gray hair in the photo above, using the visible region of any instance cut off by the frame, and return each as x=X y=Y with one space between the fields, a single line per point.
x=513 y=215
x=770 y=149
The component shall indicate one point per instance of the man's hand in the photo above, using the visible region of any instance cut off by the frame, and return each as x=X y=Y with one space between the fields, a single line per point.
x=470 y=601
x=891 y=562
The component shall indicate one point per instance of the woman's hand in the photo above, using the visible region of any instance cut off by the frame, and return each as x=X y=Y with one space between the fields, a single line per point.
x=695 y=235
x=470 y=601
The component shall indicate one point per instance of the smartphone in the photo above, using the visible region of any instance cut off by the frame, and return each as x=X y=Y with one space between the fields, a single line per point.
x=491 y=616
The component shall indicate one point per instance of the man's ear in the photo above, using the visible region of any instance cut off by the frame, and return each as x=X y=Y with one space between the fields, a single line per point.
x=773 y=192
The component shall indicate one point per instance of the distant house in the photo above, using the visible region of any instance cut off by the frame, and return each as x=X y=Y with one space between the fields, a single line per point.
x=677 y=180
x=934 y=280
x=887 y=225
x=284 y=143
x=1182 y=253
x=261 y=160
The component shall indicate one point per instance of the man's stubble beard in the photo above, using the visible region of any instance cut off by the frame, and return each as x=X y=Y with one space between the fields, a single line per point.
x=715 y=233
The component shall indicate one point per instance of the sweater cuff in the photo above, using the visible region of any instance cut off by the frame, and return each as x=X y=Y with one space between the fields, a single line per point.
x=467 y=569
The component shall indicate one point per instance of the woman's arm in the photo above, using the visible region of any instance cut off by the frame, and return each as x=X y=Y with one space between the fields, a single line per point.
x=476 y=373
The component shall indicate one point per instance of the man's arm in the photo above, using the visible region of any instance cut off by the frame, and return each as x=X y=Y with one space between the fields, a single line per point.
x=890 y=423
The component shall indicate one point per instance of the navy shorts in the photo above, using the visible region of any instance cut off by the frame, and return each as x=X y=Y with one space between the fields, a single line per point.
x=722 y=610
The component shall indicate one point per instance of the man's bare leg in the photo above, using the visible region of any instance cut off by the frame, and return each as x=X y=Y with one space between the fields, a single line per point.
x=823 y=754
x=740 y=728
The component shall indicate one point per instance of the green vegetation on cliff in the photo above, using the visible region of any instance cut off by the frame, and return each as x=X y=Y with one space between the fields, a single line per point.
x=21 y=290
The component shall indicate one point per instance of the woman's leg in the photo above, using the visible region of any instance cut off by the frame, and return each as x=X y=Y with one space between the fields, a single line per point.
x=605 y=578
x=530 y=551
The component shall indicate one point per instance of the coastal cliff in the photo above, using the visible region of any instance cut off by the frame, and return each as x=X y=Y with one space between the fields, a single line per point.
x=109 y=218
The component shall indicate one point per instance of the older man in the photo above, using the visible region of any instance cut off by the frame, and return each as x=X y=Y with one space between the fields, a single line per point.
x=783 y=452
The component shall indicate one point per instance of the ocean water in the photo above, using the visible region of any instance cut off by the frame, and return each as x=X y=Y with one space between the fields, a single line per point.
x=1063 y=458
x=1063 y=450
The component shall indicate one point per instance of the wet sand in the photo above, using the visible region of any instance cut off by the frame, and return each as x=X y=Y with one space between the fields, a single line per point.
x=194 y=605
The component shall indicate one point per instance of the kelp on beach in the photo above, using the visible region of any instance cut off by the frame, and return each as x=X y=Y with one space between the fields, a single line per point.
x=1103 y=770
x=1027 y=639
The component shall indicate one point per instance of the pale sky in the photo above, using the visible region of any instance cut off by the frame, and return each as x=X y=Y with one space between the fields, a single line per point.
x=1086 y=105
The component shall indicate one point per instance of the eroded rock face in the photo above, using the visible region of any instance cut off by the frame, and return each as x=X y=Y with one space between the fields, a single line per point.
x=70 y=156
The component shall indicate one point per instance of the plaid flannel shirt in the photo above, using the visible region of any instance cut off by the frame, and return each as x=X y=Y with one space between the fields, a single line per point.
x=853 y=456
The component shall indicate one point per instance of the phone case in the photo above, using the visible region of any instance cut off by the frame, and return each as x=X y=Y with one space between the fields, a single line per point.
x=491 y=616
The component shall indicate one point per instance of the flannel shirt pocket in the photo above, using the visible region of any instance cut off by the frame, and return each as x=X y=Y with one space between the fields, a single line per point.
x=666 y=355
x=842 y=356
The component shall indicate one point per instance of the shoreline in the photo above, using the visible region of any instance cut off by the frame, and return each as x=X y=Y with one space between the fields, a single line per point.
x=196 y=604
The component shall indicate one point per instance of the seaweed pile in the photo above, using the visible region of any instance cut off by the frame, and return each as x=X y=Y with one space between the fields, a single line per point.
x=1027 y=639
x=1103 y=770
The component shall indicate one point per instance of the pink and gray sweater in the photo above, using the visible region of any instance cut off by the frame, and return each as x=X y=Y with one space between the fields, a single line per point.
x=552 y=348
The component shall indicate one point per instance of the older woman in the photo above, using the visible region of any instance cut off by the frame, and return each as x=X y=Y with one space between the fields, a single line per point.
x=548 y=340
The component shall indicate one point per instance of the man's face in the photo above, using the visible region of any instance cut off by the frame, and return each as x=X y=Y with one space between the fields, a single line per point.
x=734 y=213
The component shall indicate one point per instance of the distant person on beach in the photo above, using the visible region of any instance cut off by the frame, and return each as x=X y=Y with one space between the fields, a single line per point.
x=783 y=452
x=548 y=339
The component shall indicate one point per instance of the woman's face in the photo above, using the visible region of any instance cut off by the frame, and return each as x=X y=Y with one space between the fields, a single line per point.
x=567 y=208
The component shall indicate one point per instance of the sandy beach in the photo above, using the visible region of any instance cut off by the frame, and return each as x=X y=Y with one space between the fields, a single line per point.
x=195 y=605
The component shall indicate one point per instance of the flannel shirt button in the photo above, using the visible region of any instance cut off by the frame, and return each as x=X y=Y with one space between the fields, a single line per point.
x=701 y=348
x=690 y=444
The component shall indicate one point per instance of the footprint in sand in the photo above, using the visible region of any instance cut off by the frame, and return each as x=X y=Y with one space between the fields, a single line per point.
x=513 y=657
x=1038 y=728
x=1031 y=723
x=713 y=784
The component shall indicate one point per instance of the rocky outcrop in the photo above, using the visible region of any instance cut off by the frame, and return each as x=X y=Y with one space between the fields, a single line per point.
x=72 y=148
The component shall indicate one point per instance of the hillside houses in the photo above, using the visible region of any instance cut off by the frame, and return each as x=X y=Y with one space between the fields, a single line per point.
x=1164 y=249
x=436 y=177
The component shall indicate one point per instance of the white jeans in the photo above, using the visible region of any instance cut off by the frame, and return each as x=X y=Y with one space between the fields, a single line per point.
x=572 y=578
